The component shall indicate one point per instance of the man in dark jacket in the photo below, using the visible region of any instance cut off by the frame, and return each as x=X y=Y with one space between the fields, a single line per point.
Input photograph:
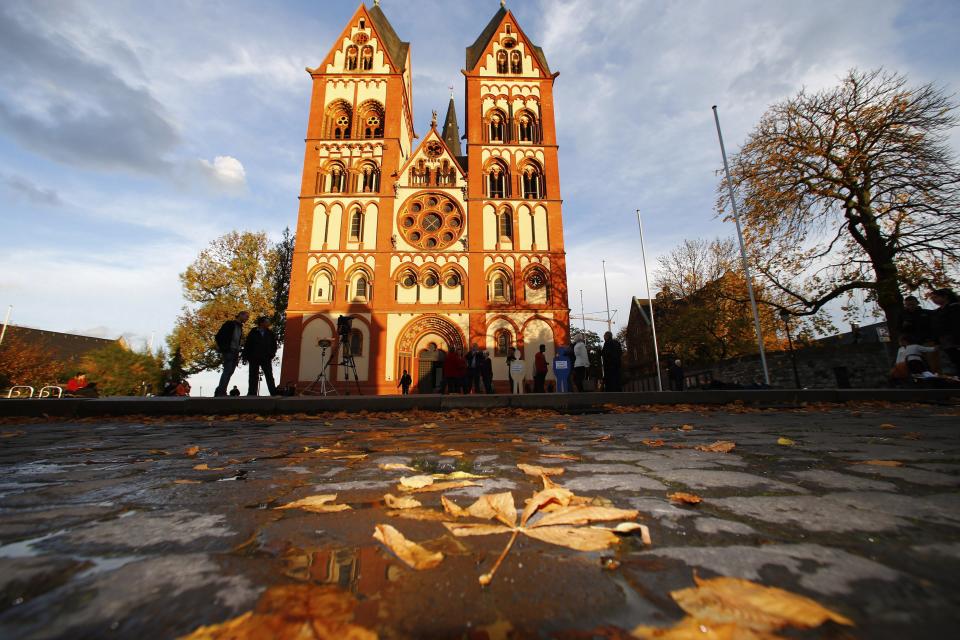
x=916 y=321
x=946 y=324
x=229 y=340
x=259 y=351
x=612 y=353
x=540 y=369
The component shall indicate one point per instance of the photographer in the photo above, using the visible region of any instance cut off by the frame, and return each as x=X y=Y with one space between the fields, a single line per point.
x=259 y=351
x=229 y=339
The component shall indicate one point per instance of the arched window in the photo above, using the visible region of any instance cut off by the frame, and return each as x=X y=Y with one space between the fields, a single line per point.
x=370 y=119
x=505 y=225
x=356 y=342
x=501 y=343
x=352 y=54
x=452 y=279
x=430 y=280
x=527 y=130
x=369 y=178
x=498 y=180
x=336 y=178
x=356 y=226
x=497 y=127
x=501 y=61
x=366 y=58
x=532 y=178
x=500 y=290
x=361 y=289
x=408 y=279
x=516 y=63
x=337 y=121
x=321 y=289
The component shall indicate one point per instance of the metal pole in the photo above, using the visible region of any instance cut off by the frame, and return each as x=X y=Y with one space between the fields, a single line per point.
x=743 y=253
x=606 y=293
x=583 y=316
x=793 y=356
x=6 y=321
x=653 y=324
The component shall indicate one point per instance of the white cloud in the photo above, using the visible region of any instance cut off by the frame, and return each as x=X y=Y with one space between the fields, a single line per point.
x=226 y=173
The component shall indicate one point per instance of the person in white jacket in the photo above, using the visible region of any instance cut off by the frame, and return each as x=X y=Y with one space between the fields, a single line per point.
x=581 y=360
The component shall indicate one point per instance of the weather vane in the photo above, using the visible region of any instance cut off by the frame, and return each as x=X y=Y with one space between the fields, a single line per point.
x=451 y=91
x=433 y=121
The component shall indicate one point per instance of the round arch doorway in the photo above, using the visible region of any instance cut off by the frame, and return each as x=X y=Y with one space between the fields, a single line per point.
x=419 y=350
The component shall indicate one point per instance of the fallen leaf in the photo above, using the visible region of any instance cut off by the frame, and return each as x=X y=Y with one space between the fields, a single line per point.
x=559 y=456
x=158 y=452
x=603 y=438
x=452 y=453
x=394 y=502
x=534 y=470
x=912 y=435
x=292 y=611
x=734 y=600
x=686 y=427
x=412 y=554
x=785 y=442
x=561 y=426
x=184 y=481
x=416 y=482
x=192 y=451
x=396 y=466
x=693 y=629
x=544 y=440
x=203 y=466
x=887 y=425
x=440 y=486
x=517 y=441
x=353 y=456
x=632 y=527
x=652 y=443
x=455 y=475
x=317 y=504
x=881 y=463
x=682 y=497
x=431 y=515
x=720 y=446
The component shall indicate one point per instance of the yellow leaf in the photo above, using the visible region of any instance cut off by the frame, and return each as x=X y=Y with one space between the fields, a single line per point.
x=453 y=508
x=430 y=515
x=412 y=554
x=495 y=505
x=441 y=486
x=577 y=538
x=534 y=470
x=785 y=442
x=556 y=495
x=192 y=451
x=584 y=515
x=882 y=463
x=416 y=482
x=734 y=600
x=683 y=497
x=400 y=503
x=693 y=629
x=452 y=453
x=396 y=466
x=475 y=529
x=203 y=466
x=317 y=504
x=720 y=446
x=686 y=427
x=455 y=475
x=559 y=456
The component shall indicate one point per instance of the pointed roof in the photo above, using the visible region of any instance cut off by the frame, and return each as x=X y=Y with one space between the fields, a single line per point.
x=391 y=41
x=475 y=51
x=434 y=135
x=451 y=130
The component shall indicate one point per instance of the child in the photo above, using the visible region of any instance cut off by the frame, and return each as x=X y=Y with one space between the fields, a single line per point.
x=405 y=381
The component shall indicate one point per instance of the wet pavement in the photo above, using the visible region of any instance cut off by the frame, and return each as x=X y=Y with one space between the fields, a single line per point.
x=111 y=528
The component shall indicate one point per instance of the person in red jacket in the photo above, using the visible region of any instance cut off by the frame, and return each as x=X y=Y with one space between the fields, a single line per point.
x=540 y=370
x=453 y=366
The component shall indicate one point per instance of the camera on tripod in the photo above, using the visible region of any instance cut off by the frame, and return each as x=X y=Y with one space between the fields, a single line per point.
x=344 y=325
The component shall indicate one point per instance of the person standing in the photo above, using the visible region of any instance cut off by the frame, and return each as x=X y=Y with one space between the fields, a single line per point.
x=916 y=321
x=581 y=360
x=405 y=382
x=259 y=351
x=675 y=373
x=946 y=324
x=486 y=373
x=612 y=353
x=540 y=369
x=229 y=340
x=473 y=370
x=451 y=372
x=235 y=392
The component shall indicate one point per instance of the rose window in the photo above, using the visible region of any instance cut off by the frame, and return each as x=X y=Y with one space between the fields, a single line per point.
x=430 y=221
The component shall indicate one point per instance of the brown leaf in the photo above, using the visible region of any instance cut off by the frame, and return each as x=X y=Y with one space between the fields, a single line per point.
x=186 y=482
x=560 y=425
x=412 y=554
x=686 y=427
x=584 y=515
x=475 y=529
x=631 y=527
x=580 y=539
x=720 y=446
x=734 y=600
x=652 y=443
x=416 y=482
x=430 y=515
x=887 y=425
x=534 y=470
x=559 y=456
x=517 y=441
x=441 y=486
x=557 y=495
x=495 y=506
x=453 y=508
x=203 y=466
x=452 y=453
x=192 y=451
x=693 y=629
x=394 y=502
x=603 y=438
x=396 y=466
x=316 y=504
x=682 y=497
x=881 y=463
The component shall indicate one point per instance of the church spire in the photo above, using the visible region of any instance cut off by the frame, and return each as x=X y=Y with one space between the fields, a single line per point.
x=451 y=131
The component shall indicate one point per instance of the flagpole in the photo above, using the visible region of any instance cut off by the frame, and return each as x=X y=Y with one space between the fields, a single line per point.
x=6 y=321
x=653 y=324
x=743 y=253
x=606 y=293
x=583 y=316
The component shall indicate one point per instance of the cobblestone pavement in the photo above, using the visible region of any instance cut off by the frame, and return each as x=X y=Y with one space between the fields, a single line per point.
x=108 y=528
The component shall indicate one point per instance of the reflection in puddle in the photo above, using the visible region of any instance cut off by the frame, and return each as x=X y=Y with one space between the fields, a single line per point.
x=25 y=548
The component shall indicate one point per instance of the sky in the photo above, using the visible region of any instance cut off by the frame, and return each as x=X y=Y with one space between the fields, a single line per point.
x=132 y=133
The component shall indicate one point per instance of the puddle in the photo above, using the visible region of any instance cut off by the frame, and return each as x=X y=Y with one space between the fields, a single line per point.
x=104 y=564
x=24 y=548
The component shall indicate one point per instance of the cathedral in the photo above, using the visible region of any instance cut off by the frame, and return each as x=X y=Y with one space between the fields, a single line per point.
x=430 y=247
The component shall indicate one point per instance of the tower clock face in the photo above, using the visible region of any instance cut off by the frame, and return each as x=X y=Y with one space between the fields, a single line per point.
x=430 y=221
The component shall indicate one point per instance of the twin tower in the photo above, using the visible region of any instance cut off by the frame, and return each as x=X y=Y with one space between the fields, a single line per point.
x=429 y=247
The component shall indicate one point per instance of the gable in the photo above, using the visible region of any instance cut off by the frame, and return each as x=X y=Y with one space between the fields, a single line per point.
x=432 y=155
x=368 y=44
x=503 y=41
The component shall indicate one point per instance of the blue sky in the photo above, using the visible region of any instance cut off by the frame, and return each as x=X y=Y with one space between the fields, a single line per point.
x=132 y=132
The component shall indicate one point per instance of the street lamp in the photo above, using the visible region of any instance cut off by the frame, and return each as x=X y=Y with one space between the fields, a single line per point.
x=785 y=316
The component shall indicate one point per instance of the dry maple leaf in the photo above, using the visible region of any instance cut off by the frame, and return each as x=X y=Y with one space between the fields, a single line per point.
x=681 y=497
x=412 y=554
x=317 y=504
x=558 y=527
x=720 y=446
x=192 y=451
x=881 y=463
x=394 y=502
x=302 y=611
x=725 y=600
x=534 y=470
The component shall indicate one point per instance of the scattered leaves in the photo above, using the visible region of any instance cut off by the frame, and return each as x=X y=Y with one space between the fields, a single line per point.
x=394 y=502
x=720 y=446
x=317 y=504
x=412 y=554
x=534 y=470
x=681 y=497
x=785 y=442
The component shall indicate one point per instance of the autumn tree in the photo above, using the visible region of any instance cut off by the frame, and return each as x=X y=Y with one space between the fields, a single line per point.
x=282 y=260
x=234 y=273
x=119 y=371
x=852 y=189
x=27 y=362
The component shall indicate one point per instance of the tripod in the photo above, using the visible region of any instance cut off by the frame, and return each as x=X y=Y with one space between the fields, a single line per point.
x=322 y=385
x=325 y=387
x=348 y=363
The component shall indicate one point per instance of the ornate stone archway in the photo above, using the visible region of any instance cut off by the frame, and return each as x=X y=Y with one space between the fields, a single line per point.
x=434 y=325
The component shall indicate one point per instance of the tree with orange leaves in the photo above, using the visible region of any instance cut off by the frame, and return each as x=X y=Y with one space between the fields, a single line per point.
x=26 y=362
x=852 y=189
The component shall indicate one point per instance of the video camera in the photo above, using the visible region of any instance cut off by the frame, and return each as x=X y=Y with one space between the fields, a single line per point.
x=344 y=326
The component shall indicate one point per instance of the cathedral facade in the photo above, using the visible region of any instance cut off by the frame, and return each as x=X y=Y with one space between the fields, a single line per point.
x=429 y=247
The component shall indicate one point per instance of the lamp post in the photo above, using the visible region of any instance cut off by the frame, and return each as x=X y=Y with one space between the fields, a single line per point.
x=785 y=316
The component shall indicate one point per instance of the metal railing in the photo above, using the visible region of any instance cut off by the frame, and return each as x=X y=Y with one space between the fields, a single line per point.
x=19 y=391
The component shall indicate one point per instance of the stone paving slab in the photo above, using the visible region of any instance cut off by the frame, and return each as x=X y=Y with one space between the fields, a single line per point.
x=109 y=528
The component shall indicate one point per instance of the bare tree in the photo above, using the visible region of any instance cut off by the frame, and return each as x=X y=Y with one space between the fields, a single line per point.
x=852 y=188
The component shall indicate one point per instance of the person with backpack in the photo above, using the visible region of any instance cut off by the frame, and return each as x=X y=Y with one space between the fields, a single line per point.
x=229 y=341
